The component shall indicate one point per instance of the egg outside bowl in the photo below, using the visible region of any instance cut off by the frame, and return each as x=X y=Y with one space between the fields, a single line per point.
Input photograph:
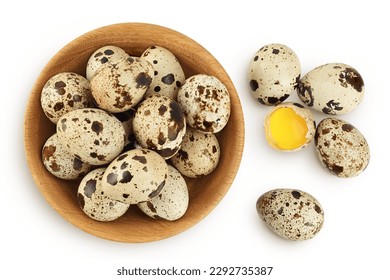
x=205 y=192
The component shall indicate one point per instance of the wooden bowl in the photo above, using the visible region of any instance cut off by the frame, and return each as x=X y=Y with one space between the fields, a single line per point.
x=205 y=192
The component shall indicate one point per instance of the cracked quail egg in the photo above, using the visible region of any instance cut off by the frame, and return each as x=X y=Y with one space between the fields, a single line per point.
x=94 y=202
x=333 y=88
x=290 y=213
x=289 y=127
x=63 y=93
x=172 y=202
x=273 y=73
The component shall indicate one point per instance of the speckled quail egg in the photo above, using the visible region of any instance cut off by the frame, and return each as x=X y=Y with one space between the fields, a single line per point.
x=63 y=93
x=126 y=119
x=172 y=202
x=341 y=148
x=289 y=127
x=292 y=214
x=119 y=86
x=273 y=73
x=94 y=202
x=198 y=155
x=168 y=73
x=59 y=162
x=106 y=54
x=159 y=124
x=333 y=88
x=205 y=102
x=135 y=176
x=92 y=135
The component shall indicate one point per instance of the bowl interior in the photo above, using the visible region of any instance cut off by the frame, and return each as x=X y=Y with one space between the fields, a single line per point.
x=205 y=192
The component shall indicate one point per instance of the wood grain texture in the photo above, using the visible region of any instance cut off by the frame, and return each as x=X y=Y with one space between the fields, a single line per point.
x=205 y=192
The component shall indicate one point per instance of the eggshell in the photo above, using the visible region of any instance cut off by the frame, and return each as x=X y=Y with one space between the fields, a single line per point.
x=63 y=93
x=159 y=124
x=119 y=86
x=205 y=102
x=333 y=88
x=273 y=73
x=59 y=162
x=135 y=176
x=198 y=155
x=105 y=54
x=341 y=148
x=94 y=202
x=172 y=202
x=168 y=73
x=290 y=213
x=92 y=135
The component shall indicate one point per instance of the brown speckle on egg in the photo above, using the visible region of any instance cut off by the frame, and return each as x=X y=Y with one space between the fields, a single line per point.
x=112 y=179
x=143 y=80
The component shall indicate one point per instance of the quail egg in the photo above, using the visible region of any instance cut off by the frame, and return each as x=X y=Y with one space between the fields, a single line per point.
x=106 y=54
x=341 y=148
x=63 y=93
x=205 y=102
x=333 y=88
x=289 y=127
x=273 y=73
x=290 y=213
x=59 y=162
x=198 y=155
x=92 y=135
x=168 y=74
x=159 y=124
x=119 y=86
x=172 y=202
x=94 y=202
x=135 y=176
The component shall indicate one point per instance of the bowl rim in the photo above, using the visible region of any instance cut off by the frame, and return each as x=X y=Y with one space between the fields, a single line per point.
x=78 y=46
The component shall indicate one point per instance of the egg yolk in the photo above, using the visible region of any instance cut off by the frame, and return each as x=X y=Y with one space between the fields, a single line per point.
x=285 y=129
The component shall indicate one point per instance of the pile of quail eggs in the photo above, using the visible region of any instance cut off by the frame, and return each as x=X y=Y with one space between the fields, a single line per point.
x=333 y=89
x=132 y=130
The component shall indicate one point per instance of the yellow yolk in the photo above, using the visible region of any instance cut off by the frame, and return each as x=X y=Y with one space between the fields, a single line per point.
x=285 y=129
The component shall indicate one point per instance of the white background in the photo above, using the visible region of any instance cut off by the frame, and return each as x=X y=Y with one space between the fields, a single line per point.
x=354 y=243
